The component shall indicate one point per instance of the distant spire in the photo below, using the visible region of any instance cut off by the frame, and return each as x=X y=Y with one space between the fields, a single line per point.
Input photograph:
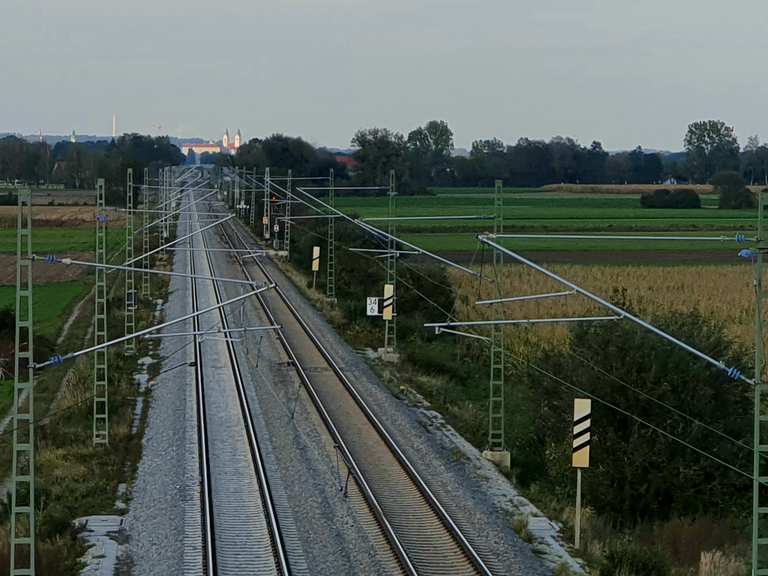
x=114 y=126
x=73 y=137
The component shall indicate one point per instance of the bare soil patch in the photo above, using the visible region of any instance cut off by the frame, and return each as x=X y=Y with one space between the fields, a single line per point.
x=57 y=216
x=44 y=273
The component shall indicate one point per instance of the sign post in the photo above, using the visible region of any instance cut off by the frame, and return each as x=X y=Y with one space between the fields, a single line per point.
x=372 y=306
x=315 y=264
x=582 y=439
x=389 y=303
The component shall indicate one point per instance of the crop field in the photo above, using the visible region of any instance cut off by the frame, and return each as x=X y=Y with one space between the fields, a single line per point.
x=58 y=216
x=542 y=212
x=727 y=296
x=61 y=240
x=52 y=303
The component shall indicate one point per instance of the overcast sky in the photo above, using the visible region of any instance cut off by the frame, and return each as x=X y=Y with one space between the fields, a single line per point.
x=619 y=71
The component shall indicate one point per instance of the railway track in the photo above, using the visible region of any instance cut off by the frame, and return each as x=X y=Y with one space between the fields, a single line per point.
x=419 y=530
x=241 y=527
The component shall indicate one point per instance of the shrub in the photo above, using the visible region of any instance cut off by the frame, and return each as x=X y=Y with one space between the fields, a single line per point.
x=733 y=190
x=664 y=198
x=658 y=479
x=628 y=559
x=716 y=563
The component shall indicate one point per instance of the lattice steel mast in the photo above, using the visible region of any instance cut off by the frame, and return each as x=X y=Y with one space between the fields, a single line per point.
x=496 y=388
x=390 y=326
x=760 y=446
x=22 y=538
x=330 y=281
x=100 y=392
x=253 y=203
x=130 y=278
x=287 y=221
x=145 y=281
x=265 y=219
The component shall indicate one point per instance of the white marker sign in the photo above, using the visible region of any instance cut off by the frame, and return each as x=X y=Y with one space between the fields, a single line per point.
x=372 y=306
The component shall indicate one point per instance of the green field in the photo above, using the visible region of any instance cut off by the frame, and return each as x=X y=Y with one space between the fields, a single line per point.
x=51 y=303
x=529 y=211
x=61 y=240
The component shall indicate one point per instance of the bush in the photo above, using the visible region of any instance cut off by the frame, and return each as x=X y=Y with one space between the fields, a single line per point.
x=664 y=198
x=733 y=190
x=658 y=478
x=628 y=559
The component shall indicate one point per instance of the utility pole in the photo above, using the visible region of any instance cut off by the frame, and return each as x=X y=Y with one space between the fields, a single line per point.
x=100 y=393
x=238 y=200
x=265 y=219
x=23 y=469
x=390 y=325
x=145 y=282
x=253 y=202
x=287 y=221
x=130 y=279
x=496 y=451
x=330 y=281
x=164 y=208
x=760 y=449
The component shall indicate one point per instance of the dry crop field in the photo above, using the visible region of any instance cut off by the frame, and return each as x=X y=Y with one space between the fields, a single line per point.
x=721 y=292
x=56 y=216
x=623 y=188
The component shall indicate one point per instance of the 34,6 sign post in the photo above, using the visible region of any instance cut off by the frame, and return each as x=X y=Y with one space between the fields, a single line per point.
x=372 y=306
x=582 y=440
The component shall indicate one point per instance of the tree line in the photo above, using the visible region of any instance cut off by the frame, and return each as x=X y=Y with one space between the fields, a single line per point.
x=426 y=157
x=78 y=164
x=423 y=158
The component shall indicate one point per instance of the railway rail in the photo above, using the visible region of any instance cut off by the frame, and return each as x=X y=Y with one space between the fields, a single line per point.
x=421 y=533
x=241 y=526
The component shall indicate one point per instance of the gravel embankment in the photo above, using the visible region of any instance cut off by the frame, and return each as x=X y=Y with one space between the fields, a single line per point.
x=164 y=518
x=460 y=486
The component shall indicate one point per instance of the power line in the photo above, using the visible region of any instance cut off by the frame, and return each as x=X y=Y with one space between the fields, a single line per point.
x=580 y=390
x=637 y=418
x=660 y=402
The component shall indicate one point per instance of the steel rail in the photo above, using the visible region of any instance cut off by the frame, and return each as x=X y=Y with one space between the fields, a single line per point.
x=272 y=520
x=368 y=494
x=419 y=483
x=206 y=492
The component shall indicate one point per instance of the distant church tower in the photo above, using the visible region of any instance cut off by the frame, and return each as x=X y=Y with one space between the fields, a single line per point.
x=73 y=137
x=225 y=140
x=238 y=138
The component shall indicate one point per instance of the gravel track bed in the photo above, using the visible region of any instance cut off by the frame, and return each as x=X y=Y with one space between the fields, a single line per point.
x=336 y=536
x=459 y=485
x=164 y=517
x=243 y=540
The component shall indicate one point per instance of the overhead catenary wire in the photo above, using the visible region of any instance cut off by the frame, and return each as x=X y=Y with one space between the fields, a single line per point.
x=600 y=400
x=636 y=418
x=731 y=371
x=604 y=402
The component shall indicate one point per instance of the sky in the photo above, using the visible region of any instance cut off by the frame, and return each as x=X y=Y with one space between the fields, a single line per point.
x=624 y=72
